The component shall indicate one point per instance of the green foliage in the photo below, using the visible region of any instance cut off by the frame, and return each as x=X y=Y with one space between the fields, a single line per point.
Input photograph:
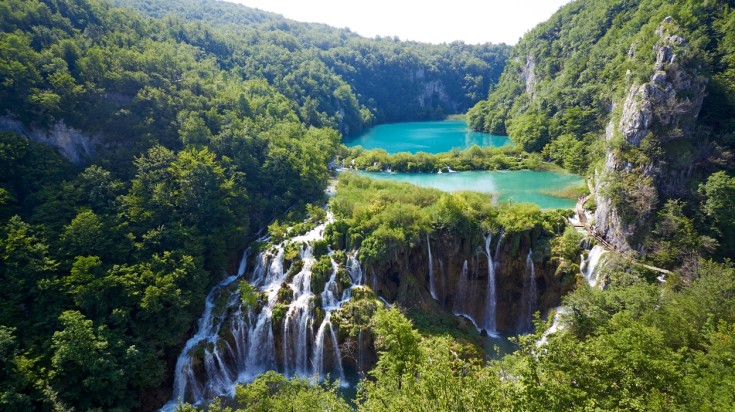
x=719 y=208
x=530 y=131
x=248 y=294
x=84 y=367
x=433 y=374
x=518 y=217
x=474 y=158
x=398 y=345
x=320 y=248
x=677 y=243
x=274 y=392
x=321 y=271
x=566 y=249
x=14 y=374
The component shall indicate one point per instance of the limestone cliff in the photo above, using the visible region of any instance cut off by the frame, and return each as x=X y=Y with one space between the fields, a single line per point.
x=73 y=144
x=459 y=268
x=655 y=115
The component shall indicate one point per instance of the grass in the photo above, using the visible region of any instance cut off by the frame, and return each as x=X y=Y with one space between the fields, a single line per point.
x=569 y=192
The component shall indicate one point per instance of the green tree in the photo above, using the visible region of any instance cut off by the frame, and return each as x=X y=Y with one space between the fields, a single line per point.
x=274 y=392
x=84 y=371
x=719 y=207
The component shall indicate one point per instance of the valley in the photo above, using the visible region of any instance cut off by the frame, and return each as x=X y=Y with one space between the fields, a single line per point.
x=205 y=206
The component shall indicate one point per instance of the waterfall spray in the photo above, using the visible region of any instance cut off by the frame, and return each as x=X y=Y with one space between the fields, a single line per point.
x=491 y=298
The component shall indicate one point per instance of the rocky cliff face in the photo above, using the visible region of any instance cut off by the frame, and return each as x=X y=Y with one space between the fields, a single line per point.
x=73 y=144
x=655 y=115
x=459 y=270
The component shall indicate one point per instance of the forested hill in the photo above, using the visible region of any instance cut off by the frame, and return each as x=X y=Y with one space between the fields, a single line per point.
x=395 y=80
x=640 y=96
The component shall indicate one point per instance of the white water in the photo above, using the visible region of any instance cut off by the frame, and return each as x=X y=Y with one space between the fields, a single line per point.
x=212 y=362
x=556 y=325
x=501 y=236
x=590 y=267
x=530 y=295
x=431 y=270
x=491 y=298
x=208 y=327
x=465 y=294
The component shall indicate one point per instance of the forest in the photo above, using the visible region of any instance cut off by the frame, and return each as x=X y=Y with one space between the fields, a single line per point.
x=147 y=146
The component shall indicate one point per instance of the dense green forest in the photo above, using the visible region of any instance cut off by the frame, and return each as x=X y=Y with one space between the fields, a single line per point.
x=145 y=144
x=394 y=80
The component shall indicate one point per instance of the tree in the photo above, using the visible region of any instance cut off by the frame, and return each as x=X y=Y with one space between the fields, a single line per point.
x=84 y=370
x=25 y=266
x=719 y=207
x=530 y=131
x=274 y=392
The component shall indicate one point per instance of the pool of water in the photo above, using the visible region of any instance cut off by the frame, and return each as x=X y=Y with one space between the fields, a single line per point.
x=517 y=186
x=429 y=137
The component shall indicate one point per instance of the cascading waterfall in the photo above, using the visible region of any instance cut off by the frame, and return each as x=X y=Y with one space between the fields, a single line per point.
x=223 y=353
x=530 y=295
x=556 y=325
x=318 y=357
x=465 y=294
x=491 y=298
x=354 y=269
x=431 y=270
x=501 y=236
x=590 y=266
x=208 y=328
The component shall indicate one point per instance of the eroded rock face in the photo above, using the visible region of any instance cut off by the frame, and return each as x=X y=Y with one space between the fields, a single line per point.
x=466 y=292
x=73 y=144
x=529 y=76
x=663 y=109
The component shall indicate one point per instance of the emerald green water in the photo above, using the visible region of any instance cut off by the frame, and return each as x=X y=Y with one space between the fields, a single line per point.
x=429 y=137
x=517 y=186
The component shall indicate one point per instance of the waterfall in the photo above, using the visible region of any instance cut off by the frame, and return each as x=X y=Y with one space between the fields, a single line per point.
x=208 y=327
x=528 y=301
x=491 y=298
x=590 y=266
x=361 y=351
x=431 y=270
x=556 y=325
x=318 y=357
x=501 y=236
x=354 y=269
x=465 y=294
x=235 y=343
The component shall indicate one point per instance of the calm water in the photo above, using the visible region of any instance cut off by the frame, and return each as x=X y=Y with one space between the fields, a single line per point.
x=518 y=186
x=429 y=137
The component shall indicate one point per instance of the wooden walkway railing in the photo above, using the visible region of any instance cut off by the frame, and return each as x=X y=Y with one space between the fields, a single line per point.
x=584 y=224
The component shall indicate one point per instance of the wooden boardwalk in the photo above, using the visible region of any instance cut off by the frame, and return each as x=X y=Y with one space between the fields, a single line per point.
x=591 y=232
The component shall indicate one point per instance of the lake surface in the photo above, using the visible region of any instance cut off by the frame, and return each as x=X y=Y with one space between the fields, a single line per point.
x=429 y=137
x=517 y=186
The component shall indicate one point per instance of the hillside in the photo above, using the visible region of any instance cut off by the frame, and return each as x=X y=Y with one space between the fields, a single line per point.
x=640 y=96
x=395 y=80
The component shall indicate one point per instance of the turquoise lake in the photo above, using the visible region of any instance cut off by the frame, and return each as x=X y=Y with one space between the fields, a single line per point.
x=442 y=136
x=517 y=186
x=429 y=137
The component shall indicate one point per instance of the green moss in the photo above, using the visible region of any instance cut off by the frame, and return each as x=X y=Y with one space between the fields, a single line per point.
x=295 y=268
x=320 y=273
x=285 y=294
x=279 y=312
